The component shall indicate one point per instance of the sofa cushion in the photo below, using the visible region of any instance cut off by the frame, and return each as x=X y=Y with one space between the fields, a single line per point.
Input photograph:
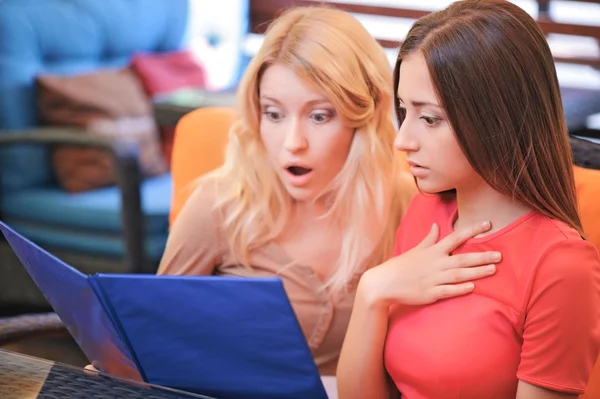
x=165 y=72
x=104 y=246
x=110 y=104
x=89 y=221
x=95 y=210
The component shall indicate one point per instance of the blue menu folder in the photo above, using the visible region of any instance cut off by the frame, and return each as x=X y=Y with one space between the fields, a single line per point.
x=226 y=337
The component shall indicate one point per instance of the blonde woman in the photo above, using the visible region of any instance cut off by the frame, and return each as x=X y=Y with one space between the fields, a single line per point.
x=311 y=189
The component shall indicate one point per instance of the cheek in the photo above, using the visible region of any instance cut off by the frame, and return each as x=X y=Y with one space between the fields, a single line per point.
x=339 y=145
x=456 y=161
x=271 y=141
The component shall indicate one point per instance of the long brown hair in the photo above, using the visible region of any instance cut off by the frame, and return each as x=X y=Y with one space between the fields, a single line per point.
x=493 y=72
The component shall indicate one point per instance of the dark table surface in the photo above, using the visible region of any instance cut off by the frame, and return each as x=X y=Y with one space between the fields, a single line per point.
x=24 y=376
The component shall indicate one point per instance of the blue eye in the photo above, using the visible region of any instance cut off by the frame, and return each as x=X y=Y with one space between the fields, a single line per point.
x=321 y=117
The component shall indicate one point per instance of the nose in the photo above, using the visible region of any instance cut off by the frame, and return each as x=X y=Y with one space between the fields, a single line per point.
x=405 y=141
x=295 y=138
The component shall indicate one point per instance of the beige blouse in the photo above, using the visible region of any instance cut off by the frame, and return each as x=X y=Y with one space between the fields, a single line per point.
x=196 y=246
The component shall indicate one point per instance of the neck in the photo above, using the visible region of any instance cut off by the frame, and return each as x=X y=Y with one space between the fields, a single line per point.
x=308 y=211
x=483 y=203
x=306 y=220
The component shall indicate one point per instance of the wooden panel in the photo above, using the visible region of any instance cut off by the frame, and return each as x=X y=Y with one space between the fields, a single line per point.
x=262 y=12
x=577 y=1
x=589 y=61
x=570 y=29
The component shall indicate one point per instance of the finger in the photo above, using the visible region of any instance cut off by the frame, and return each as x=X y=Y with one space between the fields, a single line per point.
x=457 y=238
x=455 y=276
x=90 y=370
x=431 y=237
x=471 y=259
x=452 y=290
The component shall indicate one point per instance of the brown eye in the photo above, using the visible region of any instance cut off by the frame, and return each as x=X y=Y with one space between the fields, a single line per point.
x=431 y=122
x=273 y=116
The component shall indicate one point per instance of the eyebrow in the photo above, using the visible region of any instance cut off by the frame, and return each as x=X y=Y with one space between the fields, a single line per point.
x=418 y=104
x=311 y=102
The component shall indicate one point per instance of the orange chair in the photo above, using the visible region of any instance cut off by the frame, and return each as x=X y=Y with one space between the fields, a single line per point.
x=587 y=183
x=198 y=147
x=593 y=388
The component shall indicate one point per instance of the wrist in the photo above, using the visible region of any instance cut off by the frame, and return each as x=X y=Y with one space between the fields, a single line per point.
x=369 y=292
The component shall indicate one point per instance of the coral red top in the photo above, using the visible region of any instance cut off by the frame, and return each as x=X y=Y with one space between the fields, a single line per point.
x=535 y=320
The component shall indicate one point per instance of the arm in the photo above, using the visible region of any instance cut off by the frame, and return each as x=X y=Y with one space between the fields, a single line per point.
x=528 y=391
x=194 y=246
x=561 y=334
x=361 y=358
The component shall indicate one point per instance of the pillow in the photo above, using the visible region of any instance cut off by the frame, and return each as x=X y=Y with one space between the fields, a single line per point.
x=109 y=104
x=162 y=73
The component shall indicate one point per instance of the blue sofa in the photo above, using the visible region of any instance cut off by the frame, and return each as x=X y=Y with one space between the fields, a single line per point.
x=115 y=229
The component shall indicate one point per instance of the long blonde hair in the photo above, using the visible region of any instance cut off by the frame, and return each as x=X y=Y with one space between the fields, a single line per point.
x=333 y=52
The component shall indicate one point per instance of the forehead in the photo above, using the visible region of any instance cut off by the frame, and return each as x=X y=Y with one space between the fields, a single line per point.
x=283 y=83
x=415 y=80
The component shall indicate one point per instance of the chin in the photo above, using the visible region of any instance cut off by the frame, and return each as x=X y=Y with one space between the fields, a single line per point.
x=300 y=194
x=429 y=188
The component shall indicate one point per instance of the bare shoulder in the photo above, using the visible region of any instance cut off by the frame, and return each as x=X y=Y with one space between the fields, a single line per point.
x=195 y=244
x=205 y=195
x=201 y=211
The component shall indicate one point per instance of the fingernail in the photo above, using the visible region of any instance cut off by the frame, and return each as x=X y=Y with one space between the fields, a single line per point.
x=496 y=256
x=485 y=224
x=491 y=268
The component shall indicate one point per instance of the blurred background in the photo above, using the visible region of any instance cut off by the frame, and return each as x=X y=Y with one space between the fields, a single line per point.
x=91 y=92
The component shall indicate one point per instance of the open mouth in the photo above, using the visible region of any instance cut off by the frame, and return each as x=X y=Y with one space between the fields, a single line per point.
x=298 y=170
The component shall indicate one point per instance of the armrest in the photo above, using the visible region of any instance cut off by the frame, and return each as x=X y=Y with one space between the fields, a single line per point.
x=586 y=153
x=53 y=135
x=28 y=326
x=128 y=179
